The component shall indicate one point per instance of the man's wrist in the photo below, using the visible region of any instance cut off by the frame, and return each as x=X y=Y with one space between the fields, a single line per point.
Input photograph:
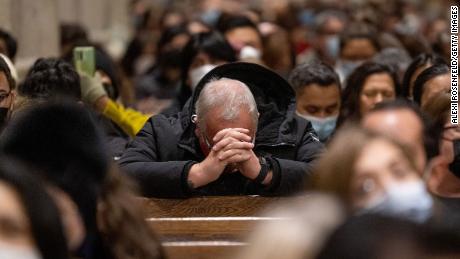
x=199 y=176
x=254 y=169
x=265 y=173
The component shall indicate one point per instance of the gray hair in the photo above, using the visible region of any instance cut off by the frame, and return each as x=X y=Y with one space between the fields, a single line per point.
x=228 y=94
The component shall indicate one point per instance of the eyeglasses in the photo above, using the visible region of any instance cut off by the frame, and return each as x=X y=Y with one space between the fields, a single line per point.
x=208 y=143
x=450 y=133
x=3 y=96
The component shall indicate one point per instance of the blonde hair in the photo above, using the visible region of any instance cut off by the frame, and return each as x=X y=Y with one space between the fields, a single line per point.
x=336 y=167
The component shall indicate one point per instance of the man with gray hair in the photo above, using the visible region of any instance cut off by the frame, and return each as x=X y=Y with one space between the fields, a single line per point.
x=237 y=135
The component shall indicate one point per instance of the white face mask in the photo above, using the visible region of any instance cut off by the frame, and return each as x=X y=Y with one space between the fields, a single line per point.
x=249 y=52
x=405 y=200
x=8 y=251
x=197 y=73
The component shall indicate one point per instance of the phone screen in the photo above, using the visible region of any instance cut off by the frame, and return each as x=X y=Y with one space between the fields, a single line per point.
x=84 y=60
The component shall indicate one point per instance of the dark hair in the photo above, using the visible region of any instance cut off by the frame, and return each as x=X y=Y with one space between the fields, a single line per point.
x=51 y=78
x=170 y=11
x=359 y=31
x=72 y=34
x=229 y=22
x=6 y=70
x=41 y=211
x=428 y=74
x=11 y=44
x=350 y=109
x=169 y=34
x=214 y=45
x=431 y=131
x=63 y=143
x=105 y=63
x=316 y=72
x=419 y=61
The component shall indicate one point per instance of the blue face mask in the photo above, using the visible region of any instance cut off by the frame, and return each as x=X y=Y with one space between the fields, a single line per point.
x=405 y=200
x=323 y=126
x=333 y=46
x=344 y=68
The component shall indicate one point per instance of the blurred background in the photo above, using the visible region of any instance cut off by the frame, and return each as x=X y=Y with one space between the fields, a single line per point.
x=293 y=31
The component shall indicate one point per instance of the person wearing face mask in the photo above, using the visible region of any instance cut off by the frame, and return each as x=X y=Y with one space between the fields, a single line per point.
x=326 y=44
x=358 y=44
x=317 y=89
x=155 y=89
x=8 y=79
x=375 y=175
x=31 y=225
x=243 y=35
x=443 y=171
x=200 y=55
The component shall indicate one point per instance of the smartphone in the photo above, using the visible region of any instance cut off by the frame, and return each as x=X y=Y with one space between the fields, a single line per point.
x=85 y=60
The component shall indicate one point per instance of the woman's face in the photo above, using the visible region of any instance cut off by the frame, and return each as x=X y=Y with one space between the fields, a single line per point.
x=380 y=165
x=15 y=229
x=377 y=88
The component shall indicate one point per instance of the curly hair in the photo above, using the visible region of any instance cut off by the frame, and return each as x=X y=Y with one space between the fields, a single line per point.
x=51 y=78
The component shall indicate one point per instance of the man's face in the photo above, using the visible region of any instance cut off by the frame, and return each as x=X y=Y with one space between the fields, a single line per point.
x=6 y=96
x=319 y=101
x=358 y=49
x=451 y=133
x=3 y=49
x=435 y=86
x=402 y=125
x=214 y=123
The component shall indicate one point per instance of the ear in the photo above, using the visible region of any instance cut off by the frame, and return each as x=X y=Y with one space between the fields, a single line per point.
x=197 y=132
x=437 y=169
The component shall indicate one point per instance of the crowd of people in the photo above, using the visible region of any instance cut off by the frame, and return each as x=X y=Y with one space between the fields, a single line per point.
x=346 y=102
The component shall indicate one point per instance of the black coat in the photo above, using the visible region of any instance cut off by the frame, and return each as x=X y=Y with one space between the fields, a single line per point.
x=162 y=153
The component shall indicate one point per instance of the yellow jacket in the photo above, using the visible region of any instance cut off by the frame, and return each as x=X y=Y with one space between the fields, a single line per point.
x=129 y=120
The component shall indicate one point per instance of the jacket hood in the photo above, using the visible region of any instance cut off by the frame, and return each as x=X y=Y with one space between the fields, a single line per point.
x=274 y=96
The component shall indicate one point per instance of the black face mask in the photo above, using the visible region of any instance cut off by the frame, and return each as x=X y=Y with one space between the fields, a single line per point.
x=3 y=116
x=454 y=167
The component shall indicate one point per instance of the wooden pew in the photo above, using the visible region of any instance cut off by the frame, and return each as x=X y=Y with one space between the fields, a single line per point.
x=202 y=249
x=205 y=228
x=212 y=206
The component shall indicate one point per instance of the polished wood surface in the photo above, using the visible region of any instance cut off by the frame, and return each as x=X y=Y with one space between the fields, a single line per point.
x=202 y=249
x=205 y=228
x=213 y=206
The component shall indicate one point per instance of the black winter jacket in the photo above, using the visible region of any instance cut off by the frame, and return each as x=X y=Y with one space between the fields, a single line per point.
x=162 y=153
